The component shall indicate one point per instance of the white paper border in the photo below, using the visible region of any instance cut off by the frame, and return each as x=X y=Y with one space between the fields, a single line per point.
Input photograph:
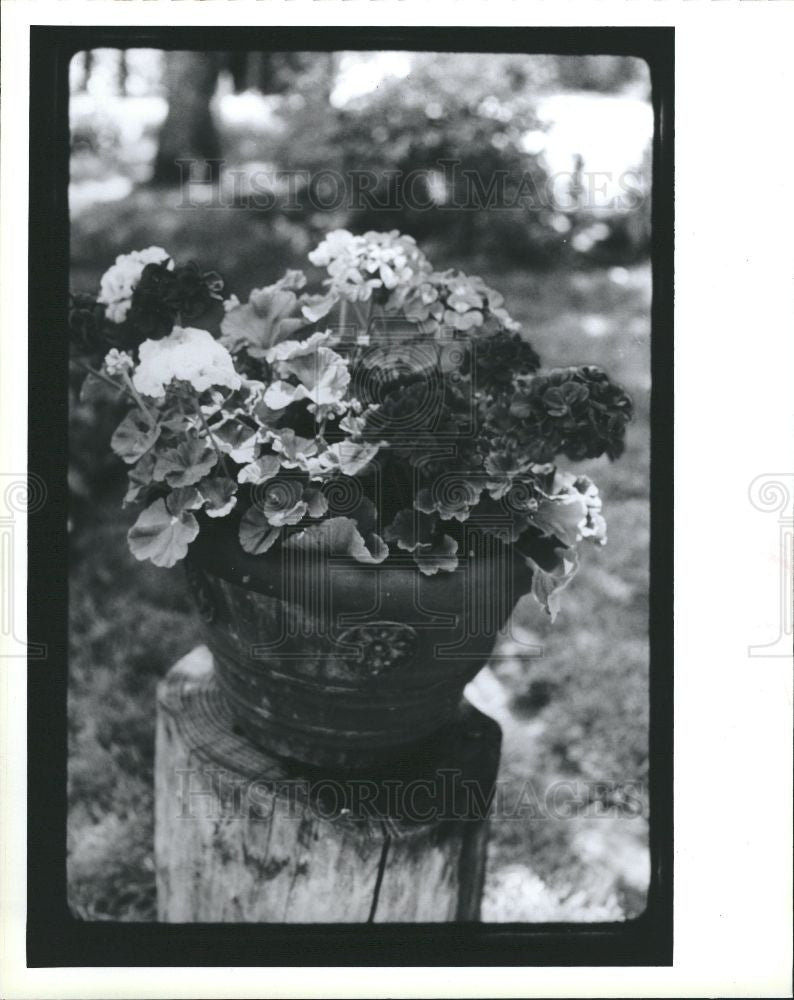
x=734 y=359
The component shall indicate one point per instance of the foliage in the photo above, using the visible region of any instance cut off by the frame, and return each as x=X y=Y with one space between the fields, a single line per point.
x=422 y=398
x=434 y=153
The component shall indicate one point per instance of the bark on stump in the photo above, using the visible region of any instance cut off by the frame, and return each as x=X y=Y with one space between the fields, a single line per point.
x=242 y=836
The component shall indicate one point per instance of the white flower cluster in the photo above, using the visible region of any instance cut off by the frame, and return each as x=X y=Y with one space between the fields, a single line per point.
x=118 y=362
x=187 y=354
x=359 y=265
x=593 y=525
x=119 y=281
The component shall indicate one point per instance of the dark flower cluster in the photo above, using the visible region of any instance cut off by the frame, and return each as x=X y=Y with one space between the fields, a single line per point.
x=161 y=298
x=494 y=361
x=162 y=295
x=416 y=413
x=578 y=412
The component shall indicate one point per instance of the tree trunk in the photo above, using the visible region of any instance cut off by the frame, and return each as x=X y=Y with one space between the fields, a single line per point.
x=122 y=73
x=242 y=836
x=189 y=146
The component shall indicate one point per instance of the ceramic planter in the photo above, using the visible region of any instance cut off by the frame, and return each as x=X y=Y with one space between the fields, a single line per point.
x=340 y=664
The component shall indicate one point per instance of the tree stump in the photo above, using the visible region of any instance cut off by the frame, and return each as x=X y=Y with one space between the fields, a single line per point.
x=242 y=836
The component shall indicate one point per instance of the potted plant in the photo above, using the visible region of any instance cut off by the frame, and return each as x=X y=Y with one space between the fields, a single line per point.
x=360 y=481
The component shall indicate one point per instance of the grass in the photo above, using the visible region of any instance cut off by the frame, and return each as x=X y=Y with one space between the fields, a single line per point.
x=576 y=713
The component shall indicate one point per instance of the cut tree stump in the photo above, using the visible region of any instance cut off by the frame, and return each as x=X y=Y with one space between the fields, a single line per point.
x=242 y=836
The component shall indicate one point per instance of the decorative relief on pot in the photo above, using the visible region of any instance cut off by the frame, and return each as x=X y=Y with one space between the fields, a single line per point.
x=377 y=647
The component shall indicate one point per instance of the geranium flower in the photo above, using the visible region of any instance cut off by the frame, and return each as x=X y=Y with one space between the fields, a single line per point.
x=463 y=429
x=594 y=526
x=462 y=297
x=119 y=281
x=496 y=360
x=395 y=258
x=578 y=412
x=359 y=266
x=336 y=244
x=165 y=292
x=186 y=354
x=118 y=362
x=194 y=290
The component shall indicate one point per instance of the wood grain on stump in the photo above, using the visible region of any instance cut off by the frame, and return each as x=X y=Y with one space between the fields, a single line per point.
x=243 y=836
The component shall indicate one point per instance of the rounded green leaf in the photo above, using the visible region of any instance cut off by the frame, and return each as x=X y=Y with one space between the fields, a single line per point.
x=256 y=533
x=160 y=536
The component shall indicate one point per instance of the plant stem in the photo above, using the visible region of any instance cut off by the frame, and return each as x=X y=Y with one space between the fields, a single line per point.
x=104 y=378
x=343 y=316
x=370 y=311
x=211 y=436
x=135 y=395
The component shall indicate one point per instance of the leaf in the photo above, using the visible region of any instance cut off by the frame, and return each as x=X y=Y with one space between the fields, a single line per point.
x=547 y=586
x=339 y=536
x=260 y=471
x=178 y=423
x=183 y=498
x=365 y=514
x=139 y=478
x=240 y=402
x=562 y=516
x=348 y=457
x=256 y=534
x=316 y=501
x=452 y=497
x=236 y=439
x=295 y=451
x=133 y=437
x=184 y=465
x=314 y=307
x=440 y=556
x=501 y=518
x=416 y=532
x=160 y=536
x=279 y=395
x=220 y=494
x=96 y=389
x=410 y=529
x=265 y=319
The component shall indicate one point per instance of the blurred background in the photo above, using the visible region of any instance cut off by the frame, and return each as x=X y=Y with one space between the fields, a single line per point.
x=532 y=171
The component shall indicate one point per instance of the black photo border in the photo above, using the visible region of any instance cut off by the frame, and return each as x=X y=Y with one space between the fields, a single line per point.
x=54 y=936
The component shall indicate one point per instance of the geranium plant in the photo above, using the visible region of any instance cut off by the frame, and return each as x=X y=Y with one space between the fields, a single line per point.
x=395 y=409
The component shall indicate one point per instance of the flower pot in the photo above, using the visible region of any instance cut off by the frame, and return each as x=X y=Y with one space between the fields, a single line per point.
x=338 y=664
